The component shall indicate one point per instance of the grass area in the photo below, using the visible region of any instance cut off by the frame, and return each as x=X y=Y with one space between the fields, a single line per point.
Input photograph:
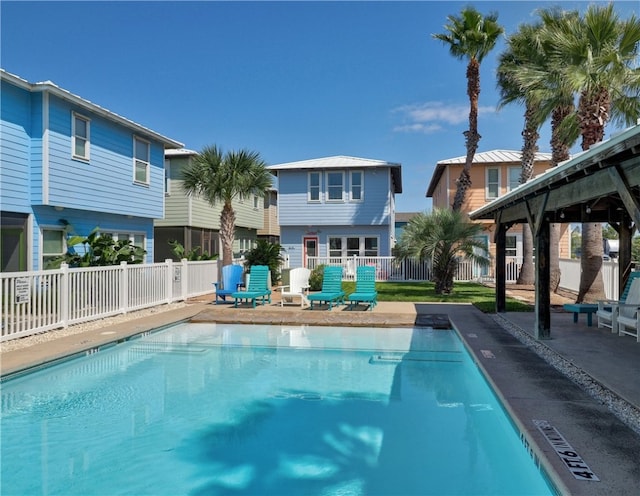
x=481 y=296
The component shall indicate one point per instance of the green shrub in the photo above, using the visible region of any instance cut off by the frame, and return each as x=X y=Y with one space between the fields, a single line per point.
x=315 y=279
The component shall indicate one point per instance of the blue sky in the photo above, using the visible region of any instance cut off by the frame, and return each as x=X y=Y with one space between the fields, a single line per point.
x=291 y=80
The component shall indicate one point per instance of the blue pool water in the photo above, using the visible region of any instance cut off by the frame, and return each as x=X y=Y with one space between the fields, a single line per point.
x=214 y=409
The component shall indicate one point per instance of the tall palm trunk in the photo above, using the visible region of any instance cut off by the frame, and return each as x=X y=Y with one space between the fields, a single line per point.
x=530 y=137
x=471 y=135
x=227 y=233
x=559 y=153
x=593 y=113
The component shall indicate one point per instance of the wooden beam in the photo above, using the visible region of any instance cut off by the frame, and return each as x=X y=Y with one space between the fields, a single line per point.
x=631 y=203
x=501 y=270
x=543 y=282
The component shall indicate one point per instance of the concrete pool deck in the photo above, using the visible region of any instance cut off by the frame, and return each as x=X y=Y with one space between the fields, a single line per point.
x=529 y=386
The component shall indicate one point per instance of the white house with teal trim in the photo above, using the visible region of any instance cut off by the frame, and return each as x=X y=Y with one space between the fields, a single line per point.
x=337 y=206
x=66 y=160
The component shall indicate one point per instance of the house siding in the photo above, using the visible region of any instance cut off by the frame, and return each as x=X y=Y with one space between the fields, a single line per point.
x=44 y=187
x=294 y=209
x=103 y=182
x=15 y=134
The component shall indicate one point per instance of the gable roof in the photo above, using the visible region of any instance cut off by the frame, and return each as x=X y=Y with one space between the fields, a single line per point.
x=490 y=157
x=344 y=162
x=54 y=89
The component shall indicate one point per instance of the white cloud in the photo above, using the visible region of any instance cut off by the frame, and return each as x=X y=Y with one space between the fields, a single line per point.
x=433 y=116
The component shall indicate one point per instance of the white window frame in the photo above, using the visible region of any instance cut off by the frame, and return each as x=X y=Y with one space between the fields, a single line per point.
x=329 y=187
x=360 y=185
x=511 y=245
x=138 y=161
x=517 y=171
x=75 y=137
x=167 y=177
x=44 y=256
x=344 y=243
x=311 y=189
x=488 y=183
x=137 y=238
x=256 y=203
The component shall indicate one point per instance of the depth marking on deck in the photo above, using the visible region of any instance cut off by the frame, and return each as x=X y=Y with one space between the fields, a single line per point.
x=472 y=335
x=487 y=353
x=565 y=451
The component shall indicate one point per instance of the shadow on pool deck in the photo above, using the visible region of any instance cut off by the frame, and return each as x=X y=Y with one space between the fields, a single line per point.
x=530 y=388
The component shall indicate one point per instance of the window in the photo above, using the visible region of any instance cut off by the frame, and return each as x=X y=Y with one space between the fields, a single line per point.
x=511 y=246
x=335 y=186
x=335 y=247
x=357 y=179
x=370 y=247
x=53 y=245
x=314 y=187
x=514 y=177
x=256 y=202
x=353 y=246
x=348 y=246
x=493 y=183
x=135 y=239
x=140 y=161
x=167 y=178
x=80 y=137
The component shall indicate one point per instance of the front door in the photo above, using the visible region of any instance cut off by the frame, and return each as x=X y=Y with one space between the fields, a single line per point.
x=310 y=249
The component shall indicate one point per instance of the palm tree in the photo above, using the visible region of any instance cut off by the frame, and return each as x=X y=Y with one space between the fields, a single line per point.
x=599 y=56
x=539 y=78
x=470 y=36
x=523 y=47
x=441 y=236
x=221 y=178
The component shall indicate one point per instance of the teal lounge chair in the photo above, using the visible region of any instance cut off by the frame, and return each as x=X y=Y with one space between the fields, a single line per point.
x=257 y=288
x=331 y=291
x=231 y=282
x=365 y=291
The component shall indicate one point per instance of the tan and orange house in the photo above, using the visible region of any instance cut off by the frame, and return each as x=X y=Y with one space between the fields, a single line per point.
x=493 y=174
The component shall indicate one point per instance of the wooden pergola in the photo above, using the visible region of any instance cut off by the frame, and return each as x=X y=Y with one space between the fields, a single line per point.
x=599 y=185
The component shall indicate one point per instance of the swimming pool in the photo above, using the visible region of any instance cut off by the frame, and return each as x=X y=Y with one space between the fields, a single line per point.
x=220 y=409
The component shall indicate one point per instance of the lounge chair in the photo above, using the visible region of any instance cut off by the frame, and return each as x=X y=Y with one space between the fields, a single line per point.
x=608 y=309
x=231 y=282
x=331 y=291
x=257 y=287
x=626 y=318
x=298 y=287
x=365 y=291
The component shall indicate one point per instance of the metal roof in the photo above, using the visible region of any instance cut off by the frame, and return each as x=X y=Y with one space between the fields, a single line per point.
x=50 y=87
x=344 y=162
x=494 y=156
x=179 y=152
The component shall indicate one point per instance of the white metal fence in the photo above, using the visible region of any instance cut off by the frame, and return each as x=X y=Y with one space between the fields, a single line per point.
x=32 y=302
x=37 y=301
x=390 y=269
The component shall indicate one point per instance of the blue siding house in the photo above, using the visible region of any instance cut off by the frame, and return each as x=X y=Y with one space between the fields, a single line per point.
x=67 y=161
x=337 y=207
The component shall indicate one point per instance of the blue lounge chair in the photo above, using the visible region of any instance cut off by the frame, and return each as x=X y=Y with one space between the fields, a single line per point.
x=331 y=291
x=231 y=282
x=365 y=291
x=257 y=287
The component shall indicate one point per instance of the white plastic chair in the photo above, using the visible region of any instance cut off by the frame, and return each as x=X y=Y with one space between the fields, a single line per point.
x=608 y=311
x=627 y=319
x=298 y=287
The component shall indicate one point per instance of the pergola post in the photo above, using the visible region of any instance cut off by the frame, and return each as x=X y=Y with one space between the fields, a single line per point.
x=625 y=234
x=543 y=280
x=500 y=268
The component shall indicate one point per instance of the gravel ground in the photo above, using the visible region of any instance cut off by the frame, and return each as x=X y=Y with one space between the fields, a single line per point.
x=621 y=408
x=43 y=337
